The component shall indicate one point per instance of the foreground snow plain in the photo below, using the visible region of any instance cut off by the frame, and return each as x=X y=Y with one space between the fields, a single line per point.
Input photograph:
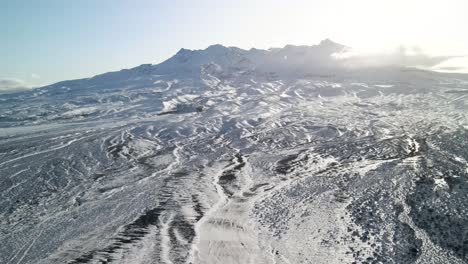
x=231 y=156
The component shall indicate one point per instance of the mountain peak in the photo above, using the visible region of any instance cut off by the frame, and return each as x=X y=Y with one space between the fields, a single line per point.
x=279 y=59
x=216 y=47
x=328 y=43
x=183 y=51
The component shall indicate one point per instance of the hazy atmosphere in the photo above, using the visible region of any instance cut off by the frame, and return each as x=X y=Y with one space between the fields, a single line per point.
x=49 y=41
x=233 y=132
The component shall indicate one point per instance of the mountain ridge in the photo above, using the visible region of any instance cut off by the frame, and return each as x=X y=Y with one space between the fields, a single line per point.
x=290 y=61
x=220 y=54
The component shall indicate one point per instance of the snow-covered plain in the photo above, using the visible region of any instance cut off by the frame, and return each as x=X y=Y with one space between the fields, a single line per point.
x=231 y=156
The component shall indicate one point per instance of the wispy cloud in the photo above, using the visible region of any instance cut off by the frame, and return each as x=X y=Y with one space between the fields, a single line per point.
x=454 y=65
x=404 y=57
x=9 y=85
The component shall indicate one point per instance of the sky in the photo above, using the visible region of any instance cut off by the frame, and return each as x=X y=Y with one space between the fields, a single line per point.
x=45 y=41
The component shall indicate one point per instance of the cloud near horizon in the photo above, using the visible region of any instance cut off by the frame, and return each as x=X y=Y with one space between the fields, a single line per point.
x=453 y=65
x=403 y=56
x=9 y=85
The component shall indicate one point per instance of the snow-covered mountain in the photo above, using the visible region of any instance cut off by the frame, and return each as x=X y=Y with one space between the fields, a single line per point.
x=226 y=155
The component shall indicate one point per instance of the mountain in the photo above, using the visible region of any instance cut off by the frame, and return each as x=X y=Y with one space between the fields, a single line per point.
x=225 y=155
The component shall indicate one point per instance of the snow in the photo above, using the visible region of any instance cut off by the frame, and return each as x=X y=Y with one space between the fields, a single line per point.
x=226 y=155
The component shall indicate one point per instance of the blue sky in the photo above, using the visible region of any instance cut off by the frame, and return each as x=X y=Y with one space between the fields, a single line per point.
x=51 y=40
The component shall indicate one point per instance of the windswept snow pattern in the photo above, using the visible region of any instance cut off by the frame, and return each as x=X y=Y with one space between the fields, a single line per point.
x=224 y=156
